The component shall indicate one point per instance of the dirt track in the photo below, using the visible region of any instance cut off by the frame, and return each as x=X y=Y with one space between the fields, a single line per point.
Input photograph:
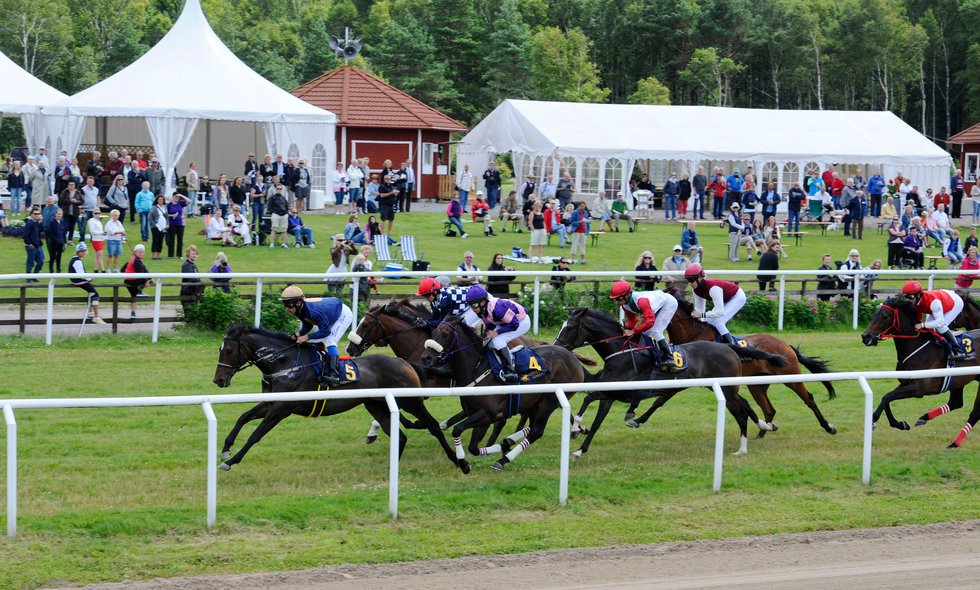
x=935 y=556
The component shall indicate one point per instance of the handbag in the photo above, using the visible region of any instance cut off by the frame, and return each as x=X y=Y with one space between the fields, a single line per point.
x=420 y=265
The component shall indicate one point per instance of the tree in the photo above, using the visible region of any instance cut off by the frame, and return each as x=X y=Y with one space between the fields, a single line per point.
x=506 y=62
x=712 y=74
x=971 y=80
x=561 y=69
x=37 y=32
x=650 y=91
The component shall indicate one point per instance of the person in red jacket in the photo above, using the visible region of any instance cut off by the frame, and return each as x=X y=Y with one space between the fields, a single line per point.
x=941 y=198
x=480 y=211
x=971 y=262
x=647 y=314
x=940 y=306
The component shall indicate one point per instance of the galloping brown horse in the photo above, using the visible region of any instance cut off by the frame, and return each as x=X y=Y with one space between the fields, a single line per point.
x=684 y=328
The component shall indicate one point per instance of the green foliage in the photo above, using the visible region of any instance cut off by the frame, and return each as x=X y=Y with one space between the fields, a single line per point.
x=275 y=316
x=712 y=75
x=759 y=310
x=650 y=91
x=217 y=310
x=561 y=69
x=554 y=304
x=801 y=313
x=762 y=311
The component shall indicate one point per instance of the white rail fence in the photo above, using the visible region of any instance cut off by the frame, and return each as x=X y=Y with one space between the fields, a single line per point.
x=172 y=279
x=390 y=396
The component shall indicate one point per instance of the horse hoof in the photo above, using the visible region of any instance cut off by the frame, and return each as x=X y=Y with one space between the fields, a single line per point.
x=633 y=424
x=874 y=426
x=497 y=466
x=762 y=434
x=903 y=425
x=767 y=426
x=740 y=452
x=225 y=455
x=629 y=416
x=464 y=466
x=773 y=427
x=921 y=422
x=584 y=430
x=370 y=439
x=577 y=454
x=953 y=446
x=443 y=426
x=831 y=429
x=224 y=467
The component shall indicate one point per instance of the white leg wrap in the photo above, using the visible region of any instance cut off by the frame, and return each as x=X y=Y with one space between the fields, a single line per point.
x=491 y=450
x=443 y=425
x=517 y=450
x=519 y=435
x=373 y=431
x=458 y=443
x=743 y=446
x=763 y=425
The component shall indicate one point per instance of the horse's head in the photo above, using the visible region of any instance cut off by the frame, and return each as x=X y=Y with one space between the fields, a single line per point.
x=572 y=335
x=448 y=338
x=895 y=317
x=369 y=332
x=232 y=356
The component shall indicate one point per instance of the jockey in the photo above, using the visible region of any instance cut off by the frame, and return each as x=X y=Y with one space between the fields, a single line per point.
x=941 y=307
x=505 y=320
x=331 y=318
x=726 y=298
x=444 y=300
x=655 y=309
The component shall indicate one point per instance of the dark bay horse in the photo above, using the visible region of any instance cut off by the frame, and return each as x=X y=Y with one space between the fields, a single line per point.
x=896 y=319
x=287 y=366
x=625 y=363
x=685 y=328
x=456 y=344
x=969 y=318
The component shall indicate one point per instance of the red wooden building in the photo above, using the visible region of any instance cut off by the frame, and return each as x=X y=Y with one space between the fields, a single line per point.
x=378 y=121
x=966 y=143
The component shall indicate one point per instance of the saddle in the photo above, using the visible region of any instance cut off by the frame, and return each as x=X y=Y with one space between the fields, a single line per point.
x=529 y=364
x=349 y=371
x=740 y=341
x=962 y=338
x=648 y=347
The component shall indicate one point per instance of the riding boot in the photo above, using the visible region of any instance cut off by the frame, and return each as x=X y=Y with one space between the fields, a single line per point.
x=666 y=356
x=727 y=338
x=508 y=374
x=331 y=370
x=957 y=353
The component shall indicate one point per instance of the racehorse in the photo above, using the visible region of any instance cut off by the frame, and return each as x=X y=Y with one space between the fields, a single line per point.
x=287 y=366
x=457 y=344
x=969 y=318
x=896 y=318
x=683 y=328
x=624 y=362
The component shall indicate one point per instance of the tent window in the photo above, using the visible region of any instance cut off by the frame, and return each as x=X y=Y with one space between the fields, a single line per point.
x=812 y=167
x=613 y=177
x=590 y=175
x=770 y=173
x=538 y=170
x=318 y=168
x=791 y=174
x=569 y=165
x=293 y=152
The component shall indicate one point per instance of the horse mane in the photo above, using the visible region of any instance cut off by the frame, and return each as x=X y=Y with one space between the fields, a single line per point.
x=971 y=302
x=904 y=306
x=239 y=330
x=682 y=303
x=598 y=315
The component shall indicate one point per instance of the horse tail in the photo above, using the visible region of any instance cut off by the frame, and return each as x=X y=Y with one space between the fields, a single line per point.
x=585 y=360
x=816 y=365
x=754 y=354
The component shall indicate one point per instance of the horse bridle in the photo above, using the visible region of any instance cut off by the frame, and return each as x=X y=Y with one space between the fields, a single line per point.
x=265 y=357
x=889 y=332
x=578 y=328
x=383 y=341
x=445 y=354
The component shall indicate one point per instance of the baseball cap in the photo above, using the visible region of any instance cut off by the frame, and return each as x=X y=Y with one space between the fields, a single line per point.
x=138 y=247
x=479 y=193
x=677 y=247
x=81 y=247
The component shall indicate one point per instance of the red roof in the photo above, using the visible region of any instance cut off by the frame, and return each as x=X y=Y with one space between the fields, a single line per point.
x=361 y=100
x=970 y=135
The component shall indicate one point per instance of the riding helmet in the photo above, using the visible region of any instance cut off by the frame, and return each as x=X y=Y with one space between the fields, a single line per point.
x=912 y=288
x=475 y=294
x=427 y=286
x=619 y=289
x=291 y=294
x=693 y=272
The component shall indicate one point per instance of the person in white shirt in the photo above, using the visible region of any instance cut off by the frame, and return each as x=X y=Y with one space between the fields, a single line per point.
x=96 y=235
x=239 y=225
x=115 y=234
x=356 y=176
x=467 y=264
x=942 y=220
x=600 y=210
x=464 y=183
x=219 y=230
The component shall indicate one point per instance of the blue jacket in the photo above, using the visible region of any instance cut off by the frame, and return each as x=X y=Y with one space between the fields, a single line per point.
x=32 y=233
x=770 y=199
x=321 y=314
x=576 y=218
x=735 y=182
x=144 y=201
x=672 y=188
x=876 y=185
x=689 y=238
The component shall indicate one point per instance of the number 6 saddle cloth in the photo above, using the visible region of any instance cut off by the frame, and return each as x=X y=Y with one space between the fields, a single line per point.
x=530 y=365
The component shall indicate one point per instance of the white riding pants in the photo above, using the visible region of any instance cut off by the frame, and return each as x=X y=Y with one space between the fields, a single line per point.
x=720 y=322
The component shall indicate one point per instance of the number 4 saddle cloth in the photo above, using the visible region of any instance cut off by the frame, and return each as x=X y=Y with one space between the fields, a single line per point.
x=530 y=365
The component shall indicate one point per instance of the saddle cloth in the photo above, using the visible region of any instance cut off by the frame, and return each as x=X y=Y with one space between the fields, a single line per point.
x=530 y=366
x=349 y=372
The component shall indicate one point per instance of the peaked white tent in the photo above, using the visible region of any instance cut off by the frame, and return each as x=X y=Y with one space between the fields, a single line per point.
x=191 y=75
x=23 y=94
x=602 y=142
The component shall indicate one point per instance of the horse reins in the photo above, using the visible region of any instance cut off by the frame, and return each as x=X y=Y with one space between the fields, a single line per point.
x=384 y=341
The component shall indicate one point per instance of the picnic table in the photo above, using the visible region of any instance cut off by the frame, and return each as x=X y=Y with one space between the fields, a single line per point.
x=796 y=235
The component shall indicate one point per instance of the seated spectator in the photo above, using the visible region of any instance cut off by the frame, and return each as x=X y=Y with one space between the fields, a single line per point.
x=676 y=261
x=870 y=277
x=826 y=282
x=454 y=212
x=553 y=222
x=239 y=226
x=467 y=265
x=971 y=262
x=952 y=250
x=971 y=240
x=372 y=229
x=499 y=285
x=303 y=234
x=353 y=231
x=619 y=210
x=221 y=266
x=371 y=195
x=942 y=220
x=601 y=210
x=362 y=263
x=888 y=210
x=913 y=247
x=646 y=263
x=931 y=226
x=690 y=243
x=219 y=230
x=853 y=262
x=480 y=211
x=510 y=211
x=77 y=267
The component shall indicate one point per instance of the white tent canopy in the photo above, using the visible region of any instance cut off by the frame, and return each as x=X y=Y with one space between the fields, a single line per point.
x=545 y=137
x=191 y=75
x=23 y=94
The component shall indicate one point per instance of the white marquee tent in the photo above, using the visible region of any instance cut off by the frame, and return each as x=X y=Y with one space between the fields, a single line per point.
x=600 y=143
x=191 y=75
x=23 y=94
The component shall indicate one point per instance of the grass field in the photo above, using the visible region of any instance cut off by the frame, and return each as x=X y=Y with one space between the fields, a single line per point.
x=120 y=494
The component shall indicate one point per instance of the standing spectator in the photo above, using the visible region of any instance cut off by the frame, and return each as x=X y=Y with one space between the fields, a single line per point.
x=565 y=189
x=54 y=235
x=221 y=266
x=279 y=210
x=339 y=253
x=769 y=261
x=409 y=184
x=690 y=244
x=158 y=221
x=467 y=265
x=794 y=206
x=95 y=169
x=581 y=221
x=481 y=212
x=491 y=182
x=857 y=208
x=734 y=184
x=528 y=188
x=836 y=187
x=176 y=224
x=843 y=202
x=770 y=201
x=257 y=197
x=90 y=204
x=876 y=188
x=699 y=185
x=464 y=184
x=29 y=167
x=717 y=189
x=40 y=183
x=238 y=192
x=77 y=267
x=302 y=233
x=144 y=202
x=750 y=200
x=952 y=249
x=676 y=261
x=896 y=242
x=251 y=170
x=266 y=168
x=239 y=225
x=191 y=287
x=956 y=185
x=387 y=199
x=371 y=195
x=355 y=190
x=117 y=198
x=454 y=211
x=220 y=196
x=685 y=196
x=362 y=263
x=70 y=200
x=645 y=263
x=621 y=211
x=32 y=243
x=601 y=209
x=826 y=283
x=975 y=197
x=500 y=285
x=50 y=208
x=16 y=181
x=971 y=262
x=62 y=174
x=558 y=280
x=193 y=182
x=539 y=235
x=134 y=183
x=156 y=176
x=401 y=183
x=115 y=233
x=96 y=234
x=510 y=211
x=672 y=190
x=549 y=190
x=136 y=286
x=735 y=227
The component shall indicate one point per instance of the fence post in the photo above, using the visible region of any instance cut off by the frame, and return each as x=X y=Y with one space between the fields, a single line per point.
x=393 y=456
x=23 y=310
x=868 y=429
x=8 y=416
x=782 y=301
x=212 y=463
x=931 y=278
x=537 y=299
x=50 y=319
x=857 y=303
x=719 y=435
x=156 y=310
x=566 y=436
x=258 y=302
x=355 y=295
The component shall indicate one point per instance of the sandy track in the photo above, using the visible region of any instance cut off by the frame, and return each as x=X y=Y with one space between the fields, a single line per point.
x=934 y=556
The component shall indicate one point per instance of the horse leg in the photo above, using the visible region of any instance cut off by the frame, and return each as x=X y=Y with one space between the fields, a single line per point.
x=477 y=418
x=955 y=402
x=381 y=414
x=604 y=406
x=260 y=410
x=453 y=420
x=900 y=392
x=372 y=434
x=577 y=418
x=538 y=422
x=805 y=395
x=476 y=436
x=416 y=407
x=631 y=411
x=742 y=411
x=971 y=422
x=665 y=396
x=508 y=442
x=760 y=393
x=274 y=416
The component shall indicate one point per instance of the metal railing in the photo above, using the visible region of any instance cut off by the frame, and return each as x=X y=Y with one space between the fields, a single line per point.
x=390 y=396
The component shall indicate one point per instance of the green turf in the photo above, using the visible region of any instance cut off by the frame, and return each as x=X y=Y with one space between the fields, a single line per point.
x=119 y=494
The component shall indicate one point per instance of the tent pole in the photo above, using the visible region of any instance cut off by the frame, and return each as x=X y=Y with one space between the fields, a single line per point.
x=207 y=147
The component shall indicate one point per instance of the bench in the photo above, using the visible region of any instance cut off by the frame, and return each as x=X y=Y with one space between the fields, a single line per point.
x=821 y=224
x=933 y=260
x=595 y=237
x=796 y=235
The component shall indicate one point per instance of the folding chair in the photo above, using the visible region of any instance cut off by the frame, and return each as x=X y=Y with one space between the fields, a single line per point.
x=381 y=249
x=408 y=249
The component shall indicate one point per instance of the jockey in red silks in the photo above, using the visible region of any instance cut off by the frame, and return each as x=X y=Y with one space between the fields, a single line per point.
x=941 y=307
x=647 y=313
x=726 y=298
